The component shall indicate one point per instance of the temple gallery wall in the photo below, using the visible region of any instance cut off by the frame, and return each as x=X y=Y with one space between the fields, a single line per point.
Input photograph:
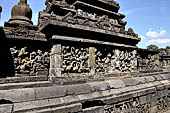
x=79 y=59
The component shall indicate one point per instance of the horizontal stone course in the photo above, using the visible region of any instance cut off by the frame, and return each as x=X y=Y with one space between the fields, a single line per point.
x=23 y=79
x=54 y=98
x=18 y=95
x=6 y=108
x=99 y=86
x=115 y=84
x=78 y=89
x=25 y=85
x=50 y=92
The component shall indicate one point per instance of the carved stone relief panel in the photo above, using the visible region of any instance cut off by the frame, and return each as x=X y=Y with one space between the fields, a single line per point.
x=96 y=60
x=148 y=61
x=115 y=60
x=75 y=59
x=29 y=61
x=131 y=106
x=20 y=31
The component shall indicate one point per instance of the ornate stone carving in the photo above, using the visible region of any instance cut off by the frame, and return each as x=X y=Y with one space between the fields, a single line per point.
x=86 y=19
x=115 y=61
x=131 y=106
x=20 y=31
x=29 y=61
x=75 y=59
x=131 y=32
x=148 y=62
x=163 y=103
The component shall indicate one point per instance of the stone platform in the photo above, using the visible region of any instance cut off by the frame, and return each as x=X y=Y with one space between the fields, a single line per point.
x=145 y=94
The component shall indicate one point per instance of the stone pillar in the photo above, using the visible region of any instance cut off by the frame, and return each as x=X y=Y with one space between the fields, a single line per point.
x=92 y=58
x=55 y=61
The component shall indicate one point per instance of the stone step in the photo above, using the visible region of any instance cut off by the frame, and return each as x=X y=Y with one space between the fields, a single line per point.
x=23 y=79
x=25 y=85
x=153 y=73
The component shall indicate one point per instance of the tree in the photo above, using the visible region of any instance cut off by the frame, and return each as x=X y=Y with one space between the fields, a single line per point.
x=152 y=47
x=168 y=48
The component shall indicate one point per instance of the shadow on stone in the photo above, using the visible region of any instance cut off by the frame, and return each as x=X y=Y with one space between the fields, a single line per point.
x=89 y=104
x=5 y=102
x=6 y=60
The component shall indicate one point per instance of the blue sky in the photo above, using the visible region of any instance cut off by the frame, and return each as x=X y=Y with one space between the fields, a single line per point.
x=150 y=19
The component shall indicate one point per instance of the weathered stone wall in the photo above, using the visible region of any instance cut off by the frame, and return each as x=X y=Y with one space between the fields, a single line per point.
x=148 y=59
x=165 y=57
x=30 y=61
x=76 y=58
x=146 y=94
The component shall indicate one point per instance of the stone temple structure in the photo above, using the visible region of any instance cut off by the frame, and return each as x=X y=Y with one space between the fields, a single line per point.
x=79 y=59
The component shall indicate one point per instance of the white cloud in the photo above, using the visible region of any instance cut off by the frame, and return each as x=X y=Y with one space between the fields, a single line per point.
x=155 y=34
x=159 y=41
x=142 y=37
x=132 y=11
x=35 y=18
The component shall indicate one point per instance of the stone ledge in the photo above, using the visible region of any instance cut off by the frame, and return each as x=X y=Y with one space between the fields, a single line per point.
x=55 y=98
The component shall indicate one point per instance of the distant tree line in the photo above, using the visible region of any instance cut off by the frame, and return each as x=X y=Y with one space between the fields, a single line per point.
x=155 y=47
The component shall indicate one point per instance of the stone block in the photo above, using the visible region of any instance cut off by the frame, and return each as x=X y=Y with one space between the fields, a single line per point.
x=23 y=79
x=123 y=97
x=18 y=95
x=163 y=93
x=91 y=61
x=70 y=99
x=50 y=92
x=55 y=61
x=154 y=100
x=149 y=79
x=97 y=109
x=56 y=102
x=99 y=86
x=110 y=100
x=128 y=89
x=166 y=83
x=143 y=100
x=130 y=82
x=6 y=108
x=56 y=49
x=42 y=72
x=146 y=91
x=115 y=84
x=55 y=72
x=140 y=80
x=90 y=96
x=73 y=108
x=107 y=93
x=33 y=106
x=165 y=76
x=148 y=98
x=159 y=85
x=115 y=91
x=157 y=77
x=78 y=89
